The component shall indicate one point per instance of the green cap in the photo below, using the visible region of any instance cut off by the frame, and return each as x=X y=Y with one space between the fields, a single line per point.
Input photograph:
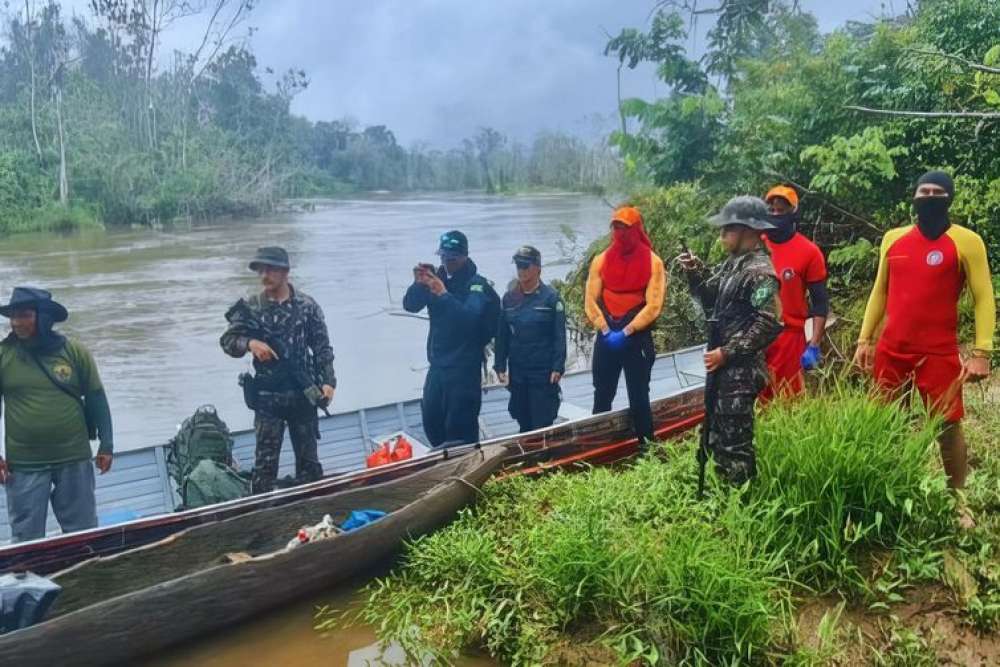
x=270 y=256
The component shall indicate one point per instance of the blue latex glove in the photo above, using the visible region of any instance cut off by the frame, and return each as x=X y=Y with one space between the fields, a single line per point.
x=615 y=340
x=811 y=358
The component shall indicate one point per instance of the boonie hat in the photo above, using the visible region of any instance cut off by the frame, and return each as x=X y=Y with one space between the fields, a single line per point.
x=743 y=210
x=40 y=299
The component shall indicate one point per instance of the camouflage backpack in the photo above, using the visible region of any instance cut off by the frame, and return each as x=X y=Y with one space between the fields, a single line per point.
x=203 y=437
x=212 y=482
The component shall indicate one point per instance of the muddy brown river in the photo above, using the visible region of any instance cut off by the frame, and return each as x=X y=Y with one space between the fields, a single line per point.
x=286 y=638
x=150 y=304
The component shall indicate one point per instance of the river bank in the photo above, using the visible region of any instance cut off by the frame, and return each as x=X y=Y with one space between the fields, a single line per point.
x=845 y=551
x=83 y=216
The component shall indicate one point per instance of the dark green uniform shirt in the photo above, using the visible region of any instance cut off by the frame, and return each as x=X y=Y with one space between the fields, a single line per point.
x=44 y=425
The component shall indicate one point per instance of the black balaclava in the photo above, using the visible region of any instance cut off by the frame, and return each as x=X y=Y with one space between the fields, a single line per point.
x=784 y=226
x=932 y=212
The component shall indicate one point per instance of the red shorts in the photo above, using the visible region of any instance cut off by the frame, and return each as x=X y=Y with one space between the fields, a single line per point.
x=784 y=363
x=937 y=377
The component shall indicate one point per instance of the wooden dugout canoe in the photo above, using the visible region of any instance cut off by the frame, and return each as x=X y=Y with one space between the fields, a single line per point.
x=676 y=390
x=114 y=609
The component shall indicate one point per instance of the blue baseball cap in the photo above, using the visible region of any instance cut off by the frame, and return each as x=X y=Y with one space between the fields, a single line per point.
x=453 y=244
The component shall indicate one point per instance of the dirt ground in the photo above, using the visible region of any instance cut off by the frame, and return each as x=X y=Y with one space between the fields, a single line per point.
x=926 y=628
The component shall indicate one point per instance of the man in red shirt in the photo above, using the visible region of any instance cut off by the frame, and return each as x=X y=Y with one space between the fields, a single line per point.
x=801 y=270
x=922 y=272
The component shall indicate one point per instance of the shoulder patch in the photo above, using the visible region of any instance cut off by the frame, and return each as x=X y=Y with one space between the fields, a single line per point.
x=63 y=371
x=763 y=292
x=559 y=306
x=478 y=287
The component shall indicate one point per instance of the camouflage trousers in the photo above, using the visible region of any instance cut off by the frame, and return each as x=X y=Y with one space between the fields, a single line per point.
x=274 y=411
x=730 y=439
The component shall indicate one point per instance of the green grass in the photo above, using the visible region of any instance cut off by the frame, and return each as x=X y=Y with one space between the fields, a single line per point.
x=843 y=476
x=849 y=498
x=979 y=550
x=50 y=218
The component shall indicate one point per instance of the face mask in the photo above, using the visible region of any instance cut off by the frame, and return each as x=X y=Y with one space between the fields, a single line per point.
x=625 y=238
x=932 y=215
x=784 y=226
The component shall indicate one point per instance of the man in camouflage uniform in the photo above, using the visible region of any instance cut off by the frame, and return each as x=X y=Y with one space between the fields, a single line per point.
x=741 y=296
x=285 y=332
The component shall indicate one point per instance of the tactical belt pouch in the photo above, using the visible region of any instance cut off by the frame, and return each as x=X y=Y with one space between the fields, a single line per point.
x=251 y=392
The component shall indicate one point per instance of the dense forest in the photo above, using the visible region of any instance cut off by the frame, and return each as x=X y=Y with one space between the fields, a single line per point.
x=100 y=122
x=851 y=119
x=845 y=549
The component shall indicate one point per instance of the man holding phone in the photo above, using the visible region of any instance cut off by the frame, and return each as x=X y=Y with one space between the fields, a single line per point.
x=464 y=310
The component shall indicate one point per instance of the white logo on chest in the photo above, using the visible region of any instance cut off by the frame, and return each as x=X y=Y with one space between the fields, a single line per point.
x=935 y=258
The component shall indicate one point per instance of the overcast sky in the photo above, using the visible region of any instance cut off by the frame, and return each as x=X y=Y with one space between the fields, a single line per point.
x=435 y=70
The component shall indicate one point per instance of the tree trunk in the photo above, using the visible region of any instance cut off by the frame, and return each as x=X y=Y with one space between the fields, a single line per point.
x=63 y=178
x=150 y=109
x=31 y=67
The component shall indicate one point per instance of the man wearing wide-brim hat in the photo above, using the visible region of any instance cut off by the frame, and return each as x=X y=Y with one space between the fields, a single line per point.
x=55 y=405
x=741 y=297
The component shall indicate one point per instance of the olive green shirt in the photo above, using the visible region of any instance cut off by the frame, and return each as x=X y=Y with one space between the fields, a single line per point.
x=44 y=425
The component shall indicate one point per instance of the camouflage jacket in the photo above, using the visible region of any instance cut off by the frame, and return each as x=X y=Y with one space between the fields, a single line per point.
x=742 y=295
x=295 y=330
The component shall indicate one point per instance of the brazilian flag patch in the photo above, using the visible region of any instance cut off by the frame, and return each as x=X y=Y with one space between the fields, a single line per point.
x=476 y=288
x=764 y=293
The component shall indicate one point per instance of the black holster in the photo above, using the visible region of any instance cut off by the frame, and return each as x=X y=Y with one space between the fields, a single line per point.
x=251 y=391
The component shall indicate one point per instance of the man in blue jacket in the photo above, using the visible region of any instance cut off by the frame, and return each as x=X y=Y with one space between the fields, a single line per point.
x=463 y=309
x=531 y=338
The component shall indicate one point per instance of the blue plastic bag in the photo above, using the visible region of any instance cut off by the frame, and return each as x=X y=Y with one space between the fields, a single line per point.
x=360 y=518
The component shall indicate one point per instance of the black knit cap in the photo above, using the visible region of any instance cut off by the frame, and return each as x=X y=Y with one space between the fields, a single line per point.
x=939 y=178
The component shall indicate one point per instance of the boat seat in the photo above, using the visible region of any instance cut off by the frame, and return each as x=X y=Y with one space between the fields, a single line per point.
x=694 y=376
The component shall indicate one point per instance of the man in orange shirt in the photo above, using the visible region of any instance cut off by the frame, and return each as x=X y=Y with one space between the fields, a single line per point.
x=922 y=272
x=801 y=270
x=625 y=292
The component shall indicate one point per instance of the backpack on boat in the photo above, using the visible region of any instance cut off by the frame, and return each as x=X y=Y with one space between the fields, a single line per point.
x=211 y=482
x=200 y=461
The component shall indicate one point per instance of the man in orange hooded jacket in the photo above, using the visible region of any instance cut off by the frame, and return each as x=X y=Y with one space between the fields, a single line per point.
x=625 y=292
